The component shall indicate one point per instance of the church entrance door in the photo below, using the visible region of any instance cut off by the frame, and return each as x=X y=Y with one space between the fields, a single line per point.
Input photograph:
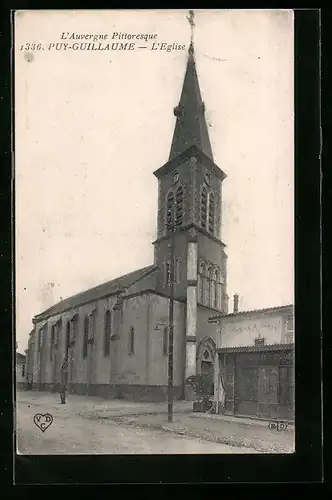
x=207 y=370
x=205 y=357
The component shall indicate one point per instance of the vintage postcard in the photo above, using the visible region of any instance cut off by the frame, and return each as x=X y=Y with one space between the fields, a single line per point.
x=154 y=181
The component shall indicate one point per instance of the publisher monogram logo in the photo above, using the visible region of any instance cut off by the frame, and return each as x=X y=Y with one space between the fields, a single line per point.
x=278 y=426
x=43 y=421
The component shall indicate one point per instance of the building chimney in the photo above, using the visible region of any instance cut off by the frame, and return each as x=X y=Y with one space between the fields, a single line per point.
x=236 y=304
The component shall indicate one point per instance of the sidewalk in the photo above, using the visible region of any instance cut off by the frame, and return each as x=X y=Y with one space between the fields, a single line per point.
x=218 y=429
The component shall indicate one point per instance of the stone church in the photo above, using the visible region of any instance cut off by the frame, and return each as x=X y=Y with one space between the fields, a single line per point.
x=112 y=340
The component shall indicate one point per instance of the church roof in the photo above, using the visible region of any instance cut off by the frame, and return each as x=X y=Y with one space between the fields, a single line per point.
x=190 y=128
x=98 y=292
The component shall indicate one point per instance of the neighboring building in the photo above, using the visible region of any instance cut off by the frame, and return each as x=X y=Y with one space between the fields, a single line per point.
x=29 y=361
x=20 y=370
x=253 y=362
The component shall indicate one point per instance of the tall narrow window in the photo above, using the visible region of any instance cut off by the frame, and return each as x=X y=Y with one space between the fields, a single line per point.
x=203 y=207
x=218 y=290
x=206 y=287
x=53 y=328
x=168 y=273
x=40 y=338
x=53 y=334
x=131 y=340
x=92 y=324
x=107 y=333
x=67 y=334
x=165 y=341
x=290 y=330
x=177 y=270
x=201 y=278
x=179 y=207
x=23 y=370
x=211 y=214
x=170 y=211
x=73 y=332
x=85 y=337
x=57 y=331
x=212 y=277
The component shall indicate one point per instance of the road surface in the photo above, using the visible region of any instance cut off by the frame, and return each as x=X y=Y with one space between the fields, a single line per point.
x=71 y=434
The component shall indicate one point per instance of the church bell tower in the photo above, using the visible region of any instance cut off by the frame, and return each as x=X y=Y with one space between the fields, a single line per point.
x=189 y=214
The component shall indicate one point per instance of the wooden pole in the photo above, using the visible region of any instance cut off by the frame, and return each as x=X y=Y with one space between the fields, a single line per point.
x=171 y=329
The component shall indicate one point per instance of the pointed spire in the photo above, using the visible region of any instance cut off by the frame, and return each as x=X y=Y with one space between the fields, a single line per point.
x=190 y=128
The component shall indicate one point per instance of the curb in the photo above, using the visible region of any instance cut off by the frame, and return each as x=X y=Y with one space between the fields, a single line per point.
x=241 y=420
x=228 y=440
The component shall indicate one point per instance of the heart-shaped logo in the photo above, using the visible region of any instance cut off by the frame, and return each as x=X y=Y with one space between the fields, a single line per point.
x=43 y=421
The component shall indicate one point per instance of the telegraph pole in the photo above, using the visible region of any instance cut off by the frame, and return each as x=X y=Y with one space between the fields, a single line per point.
x=171 y=324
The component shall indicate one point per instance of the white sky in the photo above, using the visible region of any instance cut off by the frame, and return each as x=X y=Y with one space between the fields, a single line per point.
x=92 y=126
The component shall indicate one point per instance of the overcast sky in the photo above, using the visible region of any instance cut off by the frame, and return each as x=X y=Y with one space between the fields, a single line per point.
x=92 y=126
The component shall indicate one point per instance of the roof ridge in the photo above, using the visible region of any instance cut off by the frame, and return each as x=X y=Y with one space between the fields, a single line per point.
x=142 y=272
x=265 y=309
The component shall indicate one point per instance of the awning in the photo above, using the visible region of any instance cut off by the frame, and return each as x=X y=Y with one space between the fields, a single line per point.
x=254 y=348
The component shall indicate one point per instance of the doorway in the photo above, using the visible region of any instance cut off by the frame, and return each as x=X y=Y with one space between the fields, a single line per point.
x=207 y=370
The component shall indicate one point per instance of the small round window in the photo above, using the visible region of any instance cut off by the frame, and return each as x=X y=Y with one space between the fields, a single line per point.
x=175 y=177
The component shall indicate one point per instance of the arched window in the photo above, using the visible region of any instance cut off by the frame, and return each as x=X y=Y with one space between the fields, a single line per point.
x=218 y=289
x=165 y=341
x=85 y=337
x=211 y=214
x=203 y=207
x=131 y=340
x=168 y=270
x=68 y=334
x=53 y=332
x=73 y=332
x=177 y=270
x=92 y=324
x=179 y=207
x=206 y=287
x=201 y=274
x=212 y=282
x=107 y=333
x=169 y=210
x=40 y=338
x=57 y=332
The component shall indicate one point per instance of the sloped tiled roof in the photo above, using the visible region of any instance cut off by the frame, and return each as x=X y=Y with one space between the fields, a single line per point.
x=108 y=288
x=253 y=311
x=20 y=357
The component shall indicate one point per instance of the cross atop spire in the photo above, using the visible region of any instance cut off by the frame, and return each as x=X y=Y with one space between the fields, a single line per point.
x=192 y=25
x=190 y=128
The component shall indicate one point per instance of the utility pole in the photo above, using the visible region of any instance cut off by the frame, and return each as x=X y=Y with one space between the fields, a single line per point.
x=171 y=324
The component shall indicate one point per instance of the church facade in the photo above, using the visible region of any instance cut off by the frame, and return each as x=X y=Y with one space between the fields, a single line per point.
x=112 y=340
